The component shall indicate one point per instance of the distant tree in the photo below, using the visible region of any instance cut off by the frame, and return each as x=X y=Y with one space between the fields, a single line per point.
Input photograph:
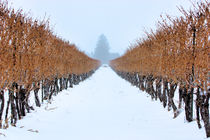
x=102 y=50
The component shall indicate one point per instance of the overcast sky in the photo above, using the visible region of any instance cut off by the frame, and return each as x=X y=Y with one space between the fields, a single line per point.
x=82 y=21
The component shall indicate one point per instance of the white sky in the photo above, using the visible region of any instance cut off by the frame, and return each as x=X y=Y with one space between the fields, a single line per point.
x=82 y=21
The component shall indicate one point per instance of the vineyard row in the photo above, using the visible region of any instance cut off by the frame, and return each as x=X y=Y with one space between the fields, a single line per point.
x=33 y=59
x=175 y=57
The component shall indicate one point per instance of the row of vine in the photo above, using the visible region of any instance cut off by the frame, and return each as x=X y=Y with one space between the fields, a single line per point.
x=33 y=59
x=175 y=57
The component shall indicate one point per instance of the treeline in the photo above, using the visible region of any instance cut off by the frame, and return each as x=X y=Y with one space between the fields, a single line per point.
x=175 y=57
x=33 y=59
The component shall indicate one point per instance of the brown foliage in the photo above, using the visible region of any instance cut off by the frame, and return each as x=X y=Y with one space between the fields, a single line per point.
x=177 y=54
x=30 y=52
x=178 y=50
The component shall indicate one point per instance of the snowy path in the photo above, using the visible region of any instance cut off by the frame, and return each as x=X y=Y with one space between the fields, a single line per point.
x=104 y=107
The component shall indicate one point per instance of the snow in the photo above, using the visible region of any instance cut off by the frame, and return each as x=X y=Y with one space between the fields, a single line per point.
x=104 y=107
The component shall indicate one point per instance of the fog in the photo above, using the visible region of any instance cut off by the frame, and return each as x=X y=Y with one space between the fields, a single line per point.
x=102 y=50
x=82 y=21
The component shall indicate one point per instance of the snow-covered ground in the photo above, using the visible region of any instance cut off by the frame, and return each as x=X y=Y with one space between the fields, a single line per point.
x=104 y=107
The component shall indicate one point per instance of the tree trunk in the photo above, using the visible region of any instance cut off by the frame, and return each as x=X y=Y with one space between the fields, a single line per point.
x=188 y=99
x=205 y=113
x=56 y=86
x=61 y=83
x=51 y=92
x=70 y=80
x=171 y=98
x=198 y=104
x=37 y=102
x=66 y=83
x=22 y=101
x=6 y=115
x=180 y=97
x=17 y=99
x=42 y=91
x=13 y=108
x=164 y=96
x=2 y=106
x=158 y=89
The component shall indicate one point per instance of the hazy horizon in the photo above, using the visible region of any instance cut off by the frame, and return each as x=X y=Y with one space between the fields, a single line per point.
x=81 y=22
